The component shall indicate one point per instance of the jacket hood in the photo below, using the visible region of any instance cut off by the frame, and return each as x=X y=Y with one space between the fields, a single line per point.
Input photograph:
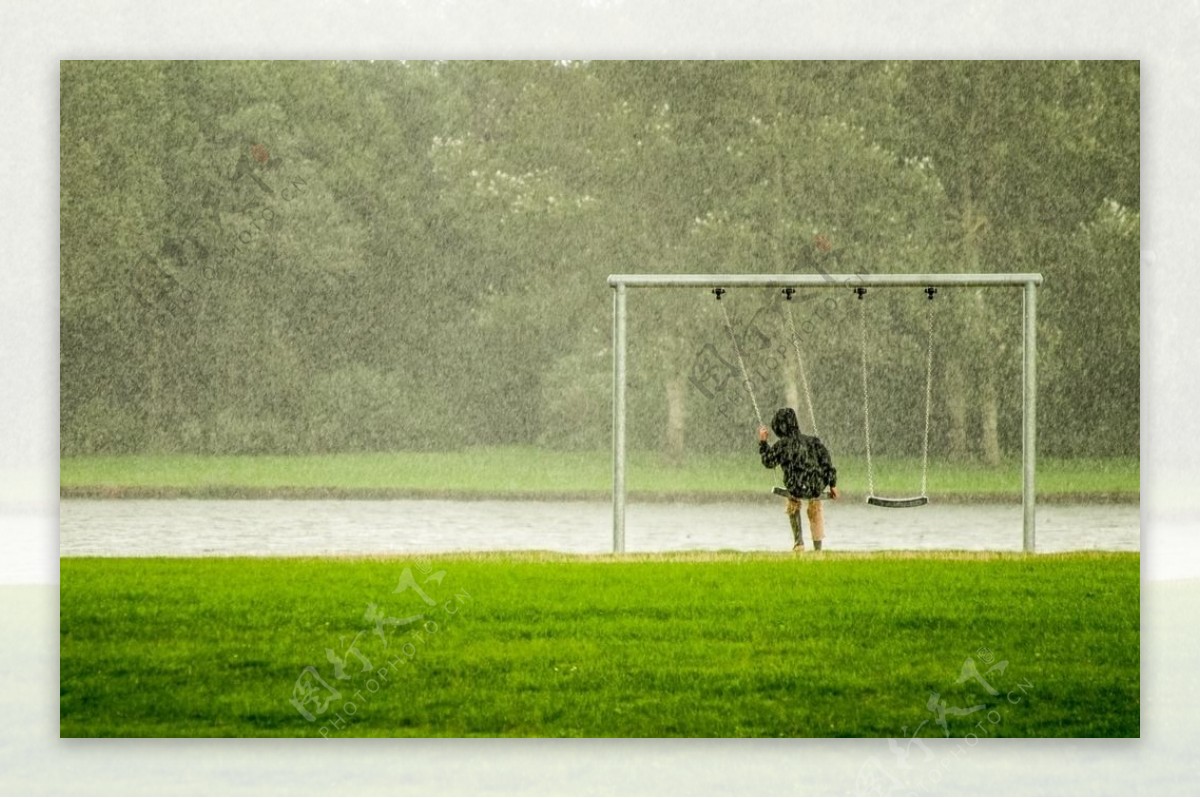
x=785 y=424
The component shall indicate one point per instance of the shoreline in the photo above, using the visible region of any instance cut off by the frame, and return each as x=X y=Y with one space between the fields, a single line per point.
x=118 y=492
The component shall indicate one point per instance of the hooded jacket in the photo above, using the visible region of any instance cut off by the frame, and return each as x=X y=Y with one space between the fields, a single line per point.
x=807 y=466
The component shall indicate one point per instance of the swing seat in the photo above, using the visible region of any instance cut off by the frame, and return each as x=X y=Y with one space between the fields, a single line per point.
x=915 y=501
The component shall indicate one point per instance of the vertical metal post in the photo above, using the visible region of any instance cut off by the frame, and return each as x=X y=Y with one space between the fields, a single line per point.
x=1029 y=417
x=619 y=418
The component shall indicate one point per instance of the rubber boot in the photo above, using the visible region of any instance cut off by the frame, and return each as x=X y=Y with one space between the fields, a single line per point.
x=816 y=522
x=797 y=533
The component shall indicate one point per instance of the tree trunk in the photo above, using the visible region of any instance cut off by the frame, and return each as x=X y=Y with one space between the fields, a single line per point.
x=990 y=422
x=955 y=391
x=154 y=426
x=963 y=379
x=676 y=419
x=791 y=385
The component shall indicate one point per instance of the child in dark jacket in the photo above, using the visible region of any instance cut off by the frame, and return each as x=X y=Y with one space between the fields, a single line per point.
x=807 y=471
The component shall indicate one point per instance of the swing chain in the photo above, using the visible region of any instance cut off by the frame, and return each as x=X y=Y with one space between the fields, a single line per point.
x=800 y=361
x=928 y=390
x=862 y=328
x=737 y=350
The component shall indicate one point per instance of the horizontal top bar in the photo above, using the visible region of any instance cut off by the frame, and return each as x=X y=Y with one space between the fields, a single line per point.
x=816 y=280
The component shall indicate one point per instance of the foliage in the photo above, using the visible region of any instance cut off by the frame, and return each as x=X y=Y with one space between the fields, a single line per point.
x=275 y=257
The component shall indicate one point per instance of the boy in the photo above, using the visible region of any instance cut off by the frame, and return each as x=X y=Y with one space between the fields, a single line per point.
x=807 y=470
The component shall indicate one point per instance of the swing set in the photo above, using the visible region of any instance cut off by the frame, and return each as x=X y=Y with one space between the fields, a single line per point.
x=879 y=501
x=719 y=285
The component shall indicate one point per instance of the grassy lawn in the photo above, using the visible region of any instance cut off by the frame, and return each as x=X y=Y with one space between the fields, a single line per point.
x=519 y=471
x=551 y=645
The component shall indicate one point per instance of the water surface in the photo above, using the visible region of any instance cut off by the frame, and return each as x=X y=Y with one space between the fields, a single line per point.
x=186 y=527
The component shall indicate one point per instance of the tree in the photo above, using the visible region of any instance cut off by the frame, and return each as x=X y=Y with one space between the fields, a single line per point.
x=1008 y=142
x=350 y=255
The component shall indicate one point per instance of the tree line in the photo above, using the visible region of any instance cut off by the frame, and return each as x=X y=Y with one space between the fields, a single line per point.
x=350 y=256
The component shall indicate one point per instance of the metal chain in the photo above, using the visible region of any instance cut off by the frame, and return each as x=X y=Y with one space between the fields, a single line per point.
x=803 y=375
x=928 y=399
x=862 y=327
x=745 y=376
x=741 y=364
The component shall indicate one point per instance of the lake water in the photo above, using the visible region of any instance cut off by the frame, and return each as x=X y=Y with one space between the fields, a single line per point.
x=185 y=527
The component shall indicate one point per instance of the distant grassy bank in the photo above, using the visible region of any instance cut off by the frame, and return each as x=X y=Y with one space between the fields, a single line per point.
x=516 y=472
x=703 y=645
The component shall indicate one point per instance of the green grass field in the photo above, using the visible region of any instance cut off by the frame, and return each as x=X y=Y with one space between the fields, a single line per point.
x=550 y=645
x=529 y=472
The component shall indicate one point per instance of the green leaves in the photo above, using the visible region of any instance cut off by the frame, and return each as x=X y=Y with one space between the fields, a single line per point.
x=234 y=233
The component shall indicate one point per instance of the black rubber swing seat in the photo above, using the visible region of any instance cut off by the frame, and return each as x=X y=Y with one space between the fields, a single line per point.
x=915 y=501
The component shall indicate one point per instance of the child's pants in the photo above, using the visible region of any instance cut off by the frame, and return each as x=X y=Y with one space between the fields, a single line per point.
x=816 y=519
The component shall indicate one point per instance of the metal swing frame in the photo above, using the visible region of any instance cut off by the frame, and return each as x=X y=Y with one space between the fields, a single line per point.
x=1029 y=282
x=922 y=498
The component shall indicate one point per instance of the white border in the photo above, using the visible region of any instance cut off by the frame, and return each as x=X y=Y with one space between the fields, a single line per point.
x=38 y=34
